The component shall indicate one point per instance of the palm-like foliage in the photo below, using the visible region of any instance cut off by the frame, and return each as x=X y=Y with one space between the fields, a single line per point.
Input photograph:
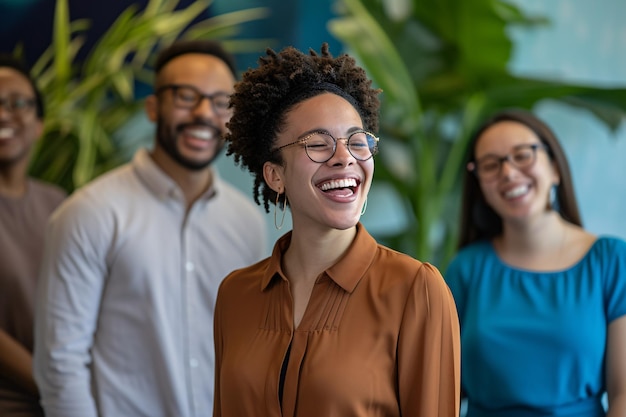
x=443 y=65
x=88 y=102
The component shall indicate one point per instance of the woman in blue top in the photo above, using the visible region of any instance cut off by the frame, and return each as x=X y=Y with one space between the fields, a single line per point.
x=541 y=301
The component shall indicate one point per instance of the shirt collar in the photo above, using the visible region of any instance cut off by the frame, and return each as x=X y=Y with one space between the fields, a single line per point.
x=161 y=184
x=346 y=273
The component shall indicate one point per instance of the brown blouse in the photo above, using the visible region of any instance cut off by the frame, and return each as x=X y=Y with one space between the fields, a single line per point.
x=379 y=337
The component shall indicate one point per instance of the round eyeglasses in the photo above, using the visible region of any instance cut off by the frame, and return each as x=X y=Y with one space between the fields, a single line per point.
x=488 y=167
x=320 y=146
x=17 y=104
x=189 y=97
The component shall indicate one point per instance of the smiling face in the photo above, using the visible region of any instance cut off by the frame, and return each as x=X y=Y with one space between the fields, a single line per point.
x=192 y=137
x=515 y=194
x=329 y=194
x=19 y=128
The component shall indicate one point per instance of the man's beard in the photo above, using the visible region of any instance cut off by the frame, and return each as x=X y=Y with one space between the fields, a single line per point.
x=168 y=141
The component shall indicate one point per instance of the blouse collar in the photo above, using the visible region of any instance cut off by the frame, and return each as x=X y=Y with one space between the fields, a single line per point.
x=346 y=273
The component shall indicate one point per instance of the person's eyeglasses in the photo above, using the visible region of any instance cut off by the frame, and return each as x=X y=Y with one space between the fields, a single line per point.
x=189 y=97
x=489 y=167
x=320 y=146
x=17 y=104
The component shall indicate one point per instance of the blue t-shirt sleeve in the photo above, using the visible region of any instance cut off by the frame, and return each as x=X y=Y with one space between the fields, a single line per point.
x=454 y=277
x=614 y=272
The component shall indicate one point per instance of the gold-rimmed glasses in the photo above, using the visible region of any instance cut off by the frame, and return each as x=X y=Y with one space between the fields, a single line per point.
x=320 y=146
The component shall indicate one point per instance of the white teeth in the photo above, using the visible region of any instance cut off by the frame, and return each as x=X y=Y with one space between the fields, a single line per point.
x=6 y=132
x=343 y=183
x=517 y=191
x=203 y=134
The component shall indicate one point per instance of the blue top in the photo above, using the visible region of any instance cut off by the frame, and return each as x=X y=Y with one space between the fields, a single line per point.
x=533 y=343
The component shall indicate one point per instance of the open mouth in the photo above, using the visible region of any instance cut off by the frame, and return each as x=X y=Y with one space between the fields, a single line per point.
x=340 y=187
x=516 y=192
x=6 y=132
x=201 y=133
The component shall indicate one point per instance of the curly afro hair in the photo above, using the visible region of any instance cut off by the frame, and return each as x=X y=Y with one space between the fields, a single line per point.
x=265 y=95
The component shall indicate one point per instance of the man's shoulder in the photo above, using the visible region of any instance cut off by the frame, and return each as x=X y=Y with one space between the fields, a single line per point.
x=103 y=191
x=114 y=181
x=237 y=199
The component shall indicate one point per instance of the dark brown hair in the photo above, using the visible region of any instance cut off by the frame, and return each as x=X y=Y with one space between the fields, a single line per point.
x=266 y=94
x=478 y=219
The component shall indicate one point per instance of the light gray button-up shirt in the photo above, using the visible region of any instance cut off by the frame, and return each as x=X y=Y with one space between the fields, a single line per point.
x=124 y=321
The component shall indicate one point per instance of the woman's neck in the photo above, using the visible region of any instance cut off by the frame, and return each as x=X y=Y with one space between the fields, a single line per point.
x=547 y=244
x=312 y=251
x=543 y=233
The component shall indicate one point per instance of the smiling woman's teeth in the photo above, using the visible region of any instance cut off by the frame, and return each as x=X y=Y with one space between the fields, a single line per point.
x=6 y=132
x=517 y=191
x=345 y=183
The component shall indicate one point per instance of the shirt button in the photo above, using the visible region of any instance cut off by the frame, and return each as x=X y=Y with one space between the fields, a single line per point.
x=193 y=363
x=189 y=266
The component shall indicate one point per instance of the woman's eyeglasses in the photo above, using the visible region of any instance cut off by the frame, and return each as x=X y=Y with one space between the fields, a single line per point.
x=320 y=146
x=488 y=167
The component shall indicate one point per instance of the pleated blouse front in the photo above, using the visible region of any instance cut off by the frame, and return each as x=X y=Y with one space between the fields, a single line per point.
x=379 y=337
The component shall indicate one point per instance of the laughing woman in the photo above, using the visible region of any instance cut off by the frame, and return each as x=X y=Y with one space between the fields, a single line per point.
x=332 y=324
x=542 y=302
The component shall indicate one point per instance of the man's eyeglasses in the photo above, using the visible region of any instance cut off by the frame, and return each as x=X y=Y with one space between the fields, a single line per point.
x=488 y=167
x=320 y=146
x=189 y=97
x=17 y=104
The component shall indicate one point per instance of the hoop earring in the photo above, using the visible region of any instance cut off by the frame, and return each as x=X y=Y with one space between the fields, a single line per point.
x=284 y=210
x=364 y=207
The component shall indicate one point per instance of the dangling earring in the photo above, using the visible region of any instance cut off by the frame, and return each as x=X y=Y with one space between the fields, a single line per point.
x=364 y=207
x=284 y=210
x=553 y=199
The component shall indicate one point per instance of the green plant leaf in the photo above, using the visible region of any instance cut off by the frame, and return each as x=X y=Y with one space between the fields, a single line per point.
x=370 y=43
x=225 y=23
x=61 y=39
